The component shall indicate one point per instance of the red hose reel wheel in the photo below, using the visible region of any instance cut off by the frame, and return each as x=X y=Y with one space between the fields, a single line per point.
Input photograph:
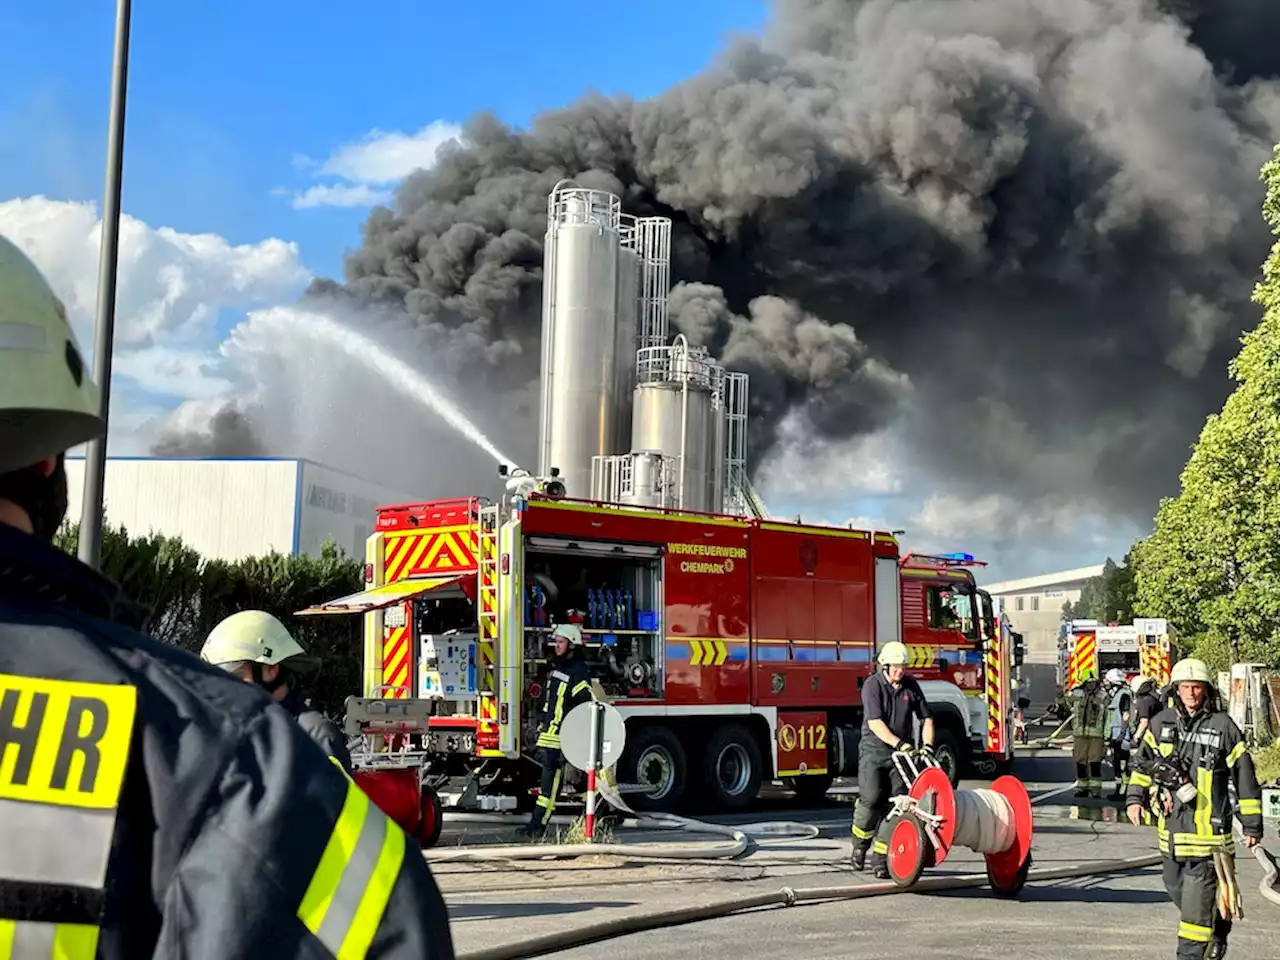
x=1007 y=871
x=909 y=848
x=431 y=823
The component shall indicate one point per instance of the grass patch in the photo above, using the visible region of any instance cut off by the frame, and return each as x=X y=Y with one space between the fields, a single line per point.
x=1267 y=762
x=577 y=832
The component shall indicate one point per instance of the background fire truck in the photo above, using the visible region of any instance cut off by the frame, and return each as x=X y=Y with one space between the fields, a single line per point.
x=735 y=646
x=1086 y=646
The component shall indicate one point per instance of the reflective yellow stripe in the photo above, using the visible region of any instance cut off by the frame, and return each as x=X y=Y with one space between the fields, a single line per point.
x=1139 y=780
x=557 y=717
x=581 y=685
x=1194 y=932
x=377 y=894
x=862 y=834
x=879 y=847
x=351 y=886
x=1250 y=808
x=1149 y=739
x=1236 y=753
x=31 y=940
x=1204 y=802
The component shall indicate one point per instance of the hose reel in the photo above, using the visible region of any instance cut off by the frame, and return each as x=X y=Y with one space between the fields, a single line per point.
x=934 y=817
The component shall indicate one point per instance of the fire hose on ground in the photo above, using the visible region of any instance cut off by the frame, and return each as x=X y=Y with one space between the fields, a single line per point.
x=740 y=837
x=786 y=896
x=929 y=821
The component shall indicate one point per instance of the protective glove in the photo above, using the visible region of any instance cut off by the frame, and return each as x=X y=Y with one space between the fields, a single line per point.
x=905 y=748
x=926 y=752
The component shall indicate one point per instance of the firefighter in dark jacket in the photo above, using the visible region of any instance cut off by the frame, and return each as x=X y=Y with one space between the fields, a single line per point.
x=891 y=703
x=256 y=647
x=568 y=684
x=153 y=805
x=1189 y=757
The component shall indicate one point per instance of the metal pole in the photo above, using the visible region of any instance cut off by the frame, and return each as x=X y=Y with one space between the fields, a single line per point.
x=95 y=461
x=593 y=765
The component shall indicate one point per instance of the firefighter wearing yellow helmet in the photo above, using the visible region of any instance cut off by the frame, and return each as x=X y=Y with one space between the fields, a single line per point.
x=891 y=703
x=1189 y=758
x=259 y=649
x=201 y=806
x=1089 y=703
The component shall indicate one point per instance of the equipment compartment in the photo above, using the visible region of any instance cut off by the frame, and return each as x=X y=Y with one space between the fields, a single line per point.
x=614 y=591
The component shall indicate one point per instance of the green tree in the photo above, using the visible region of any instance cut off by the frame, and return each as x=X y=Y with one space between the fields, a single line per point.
x=1107 y=598
x=185 y=596
x=1212 y=563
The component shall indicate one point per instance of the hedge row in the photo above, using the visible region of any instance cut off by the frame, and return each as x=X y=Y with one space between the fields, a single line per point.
x=188 y=595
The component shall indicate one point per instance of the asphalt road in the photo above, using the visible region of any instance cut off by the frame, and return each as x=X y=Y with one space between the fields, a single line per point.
x=1126 y=916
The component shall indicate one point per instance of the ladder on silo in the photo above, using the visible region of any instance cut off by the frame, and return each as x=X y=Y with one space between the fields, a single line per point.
x=752 y=498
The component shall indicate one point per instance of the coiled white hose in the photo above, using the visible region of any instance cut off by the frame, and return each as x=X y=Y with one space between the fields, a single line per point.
x=740 y=839
x=984 y=821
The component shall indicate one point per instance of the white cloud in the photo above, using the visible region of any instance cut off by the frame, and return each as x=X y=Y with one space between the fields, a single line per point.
x=804 y=466
x=369 y=167
x=340 y=195
x=171 y=288
x=171 y=284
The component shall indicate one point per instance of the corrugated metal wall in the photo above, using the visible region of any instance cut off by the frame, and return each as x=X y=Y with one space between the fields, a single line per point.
x=225 y=509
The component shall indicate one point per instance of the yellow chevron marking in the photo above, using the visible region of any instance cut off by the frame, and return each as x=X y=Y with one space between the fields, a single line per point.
x=921 y=656
x=695 y=653
x=722 y=652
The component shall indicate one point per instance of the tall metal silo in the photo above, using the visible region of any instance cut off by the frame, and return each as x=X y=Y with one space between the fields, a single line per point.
x=679 y=411
x=627 y=333
x=579 y=334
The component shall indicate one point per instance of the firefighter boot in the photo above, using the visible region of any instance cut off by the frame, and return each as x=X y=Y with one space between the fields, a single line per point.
x=1082 y=780
x=858 y=858
x=1217 y=950
x=880 y=860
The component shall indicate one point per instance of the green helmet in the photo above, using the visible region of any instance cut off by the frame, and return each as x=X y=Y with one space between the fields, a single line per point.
x=1191 y=670
x=894 y=654
x=48 y=403
x=256 y=637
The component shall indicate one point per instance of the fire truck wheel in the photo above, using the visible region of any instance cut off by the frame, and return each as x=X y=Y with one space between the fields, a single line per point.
x=653 y=757
x=809 y=789
x=432 y=823
x=732 y=767
x=946 y=748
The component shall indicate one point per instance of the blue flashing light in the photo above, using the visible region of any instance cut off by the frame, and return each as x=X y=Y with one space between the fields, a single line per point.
x=958 y=557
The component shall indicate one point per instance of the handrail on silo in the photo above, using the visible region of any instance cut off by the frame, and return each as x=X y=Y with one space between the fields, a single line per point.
x=570 y=204
x=671 y=364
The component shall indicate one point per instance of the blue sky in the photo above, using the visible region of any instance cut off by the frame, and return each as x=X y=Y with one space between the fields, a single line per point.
x=223 y=96
x=227 y=101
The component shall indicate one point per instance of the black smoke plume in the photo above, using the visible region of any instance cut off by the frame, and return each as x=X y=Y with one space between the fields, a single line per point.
x=1021 y=232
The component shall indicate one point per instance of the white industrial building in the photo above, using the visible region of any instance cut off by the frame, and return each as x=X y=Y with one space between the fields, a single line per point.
x=233 y=508
x=1034 y=606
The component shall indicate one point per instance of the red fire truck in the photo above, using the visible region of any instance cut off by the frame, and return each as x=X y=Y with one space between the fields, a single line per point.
x=735 y=648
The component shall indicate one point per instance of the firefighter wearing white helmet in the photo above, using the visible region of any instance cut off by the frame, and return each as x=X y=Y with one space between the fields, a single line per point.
x=259 y=649
x=212 y=811
x=892 y=701
x=1185 y=767
x=1118 y=731
x=568 y=684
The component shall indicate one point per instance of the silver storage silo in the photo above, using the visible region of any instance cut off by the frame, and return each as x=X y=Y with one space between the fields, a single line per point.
x=579 y=334
x=676 y=413
x=627 y=334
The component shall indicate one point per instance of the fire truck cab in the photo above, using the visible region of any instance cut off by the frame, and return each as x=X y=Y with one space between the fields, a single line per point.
x=735 y=648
